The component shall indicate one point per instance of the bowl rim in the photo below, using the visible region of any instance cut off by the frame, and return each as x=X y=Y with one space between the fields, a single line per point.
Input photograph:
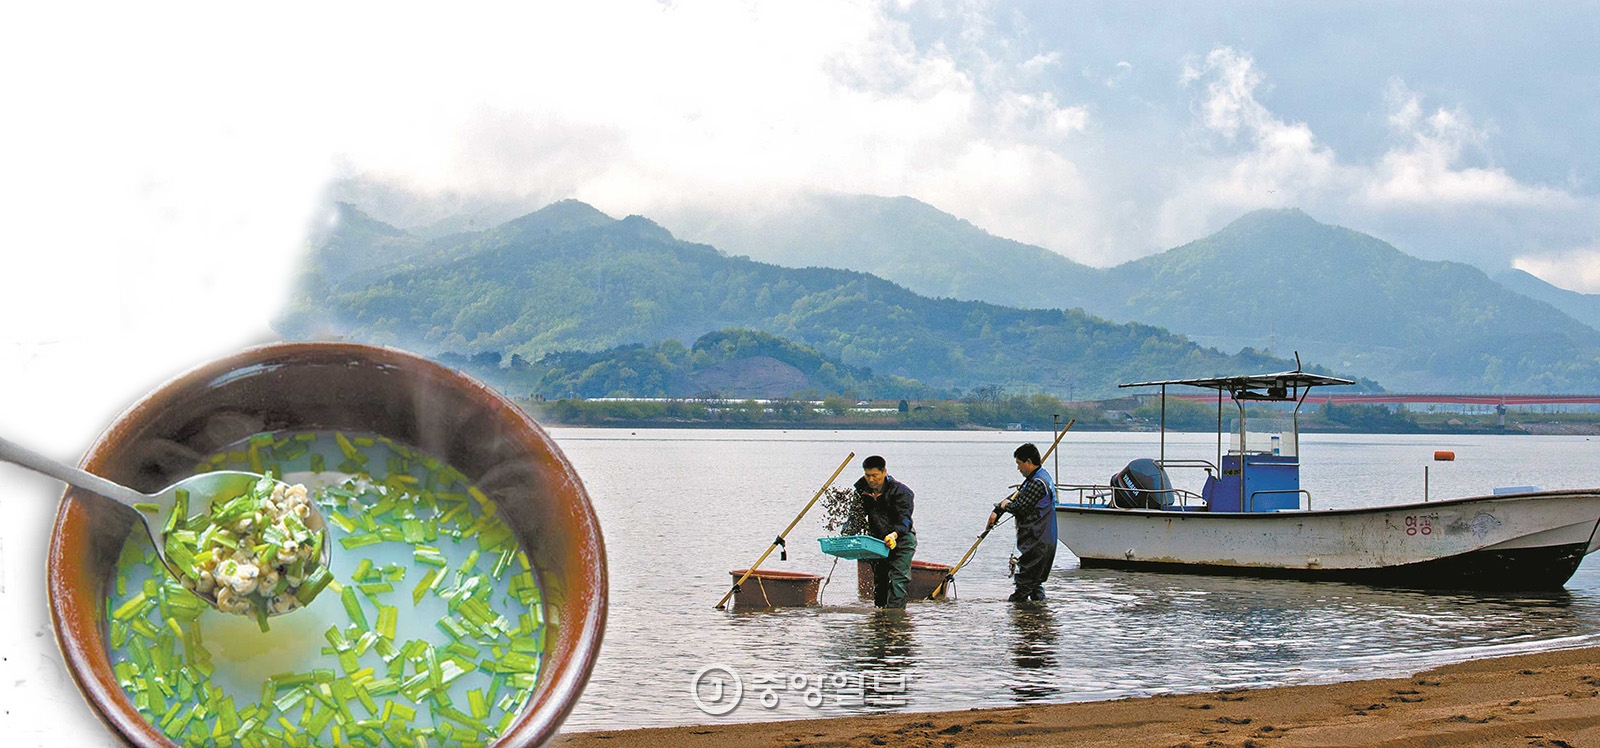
x=538 y=721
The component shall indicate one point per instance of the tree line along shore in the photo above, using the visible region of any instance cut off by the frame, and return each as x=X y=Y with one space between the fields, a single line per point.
x=1037 y=413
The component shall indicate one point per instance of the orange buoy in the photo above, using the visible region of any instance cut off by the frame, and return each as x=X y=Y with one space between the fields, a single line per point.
x=1444 y=455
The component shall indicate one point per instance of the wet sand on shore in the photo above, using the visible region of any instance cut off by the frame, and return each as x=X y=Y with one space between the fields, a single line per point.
x=1544 y=699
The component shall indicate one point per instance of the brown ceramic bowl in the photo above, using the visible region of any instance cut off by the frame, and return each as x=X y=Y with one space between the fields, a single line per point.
x=303 y=386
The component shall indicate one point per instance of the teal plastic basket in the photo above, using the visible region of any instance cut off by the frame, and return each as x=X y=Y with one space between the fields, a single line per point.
x=854 y=546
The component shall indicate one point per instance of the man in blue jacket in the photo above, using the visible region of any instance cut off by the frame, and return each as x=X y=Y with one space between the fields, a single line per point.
x=888 y=506
x=1034 y=506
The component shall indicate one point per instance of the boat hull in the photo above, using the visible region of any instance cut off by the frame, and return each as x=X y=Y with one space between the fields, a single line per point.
x=1525 y=541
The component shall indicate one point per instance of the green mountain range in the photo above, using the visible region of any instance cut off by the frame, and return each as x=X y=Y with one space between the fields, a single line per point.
x=721 y=364
x=1583 y=307
x=567 y=278
x=1273 y=279
x=910 y=242
x=1359 y=304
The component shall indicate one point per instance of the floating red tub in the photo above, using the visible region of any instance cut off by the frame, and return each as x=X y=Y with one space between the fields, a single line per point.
x=925 y=575
x=767 y=588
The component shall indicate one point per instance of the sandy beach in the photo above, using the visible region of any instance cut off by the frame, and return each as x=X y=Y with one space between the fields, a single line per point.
x=1546 y=699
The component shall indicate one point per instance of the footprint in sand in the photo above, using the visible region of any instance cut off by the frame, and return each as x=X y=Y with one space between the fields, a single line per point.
x=1583 y=694
x=914 y=726
x=1196 y=706
x=1230 y=696
x=1515 y=706
x=1234 y=720
x=1406 y=696
x=1540 y=740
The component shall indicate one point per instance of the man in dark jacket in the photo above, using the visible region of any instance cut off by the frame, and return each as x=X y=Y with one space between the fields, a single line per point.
x=888 y=506
x=1034 y=506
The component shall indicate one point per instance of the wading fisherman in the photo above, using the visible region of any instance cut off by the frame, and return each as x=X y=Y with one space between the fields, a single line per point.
x=888 y=507
x=1034 y=506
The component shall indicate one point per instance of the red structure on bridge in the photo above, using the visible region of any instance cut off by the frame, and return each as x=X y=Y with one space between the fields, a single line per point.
x=1393 y=398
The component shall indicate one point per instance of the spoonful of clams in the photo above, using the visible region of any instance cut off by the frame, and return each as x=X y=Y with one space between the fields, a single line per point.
x=245 y=543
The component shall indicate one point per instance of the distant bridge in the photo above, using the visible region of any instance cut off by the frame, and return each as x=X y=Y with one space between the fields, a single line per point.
x=1367 y=398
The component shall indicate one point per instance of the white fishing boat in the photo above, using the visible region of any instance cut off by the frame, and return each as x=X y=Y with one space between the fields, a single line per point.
x=1252 y=517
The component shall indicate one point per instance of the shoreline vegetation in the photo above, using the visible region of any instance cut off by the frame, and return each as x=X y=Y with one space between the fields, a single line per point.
x=1541 y=699
x=1035 y=413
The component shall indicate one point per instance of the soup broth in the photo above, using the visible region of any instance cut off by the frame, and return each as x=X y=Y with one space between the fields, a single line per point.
x=432 y=632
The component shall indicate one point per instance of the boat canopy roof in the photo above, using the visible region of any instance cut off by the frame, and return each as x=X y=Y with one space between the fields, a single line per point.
x=1285 y=385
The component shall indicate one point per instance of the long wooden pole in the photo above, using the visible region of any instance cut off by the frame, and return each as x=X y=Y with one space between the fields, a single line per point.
x=964 y=559
x=724 y=601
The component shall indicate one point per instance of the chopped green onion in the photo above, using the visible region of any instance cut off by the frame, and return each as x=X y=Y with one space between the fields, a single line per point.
x=427 y=554
x=351 y=542
x=134 y=606
x=388 y=617
x=352 y=606
x=427 y=583
x=313 y=585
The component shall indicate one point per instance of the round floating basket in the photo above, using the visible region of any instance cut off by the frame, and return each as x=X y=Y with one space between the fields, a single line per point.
x=767 y=588
x=925 y=575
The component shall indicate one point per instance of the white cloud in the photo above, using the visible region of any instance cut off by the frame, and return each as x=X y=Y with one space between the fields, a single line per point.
x=1249 y=157
x=1040 y=62
x=1121 y=70
x=715 y=103
x=1575 y=270
x=1425 y=166
x=1262 y=161
x=1026 y=111
x=1230 y=104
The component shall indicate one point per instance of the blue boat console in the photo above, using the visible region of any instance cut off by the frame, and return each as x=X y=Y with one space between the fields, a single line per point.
x=1254 y=482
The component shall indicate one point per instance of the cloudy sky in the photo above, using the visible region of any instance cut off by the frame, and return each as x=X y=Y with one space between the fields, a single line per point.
x=1101 y=131
x=164 y=163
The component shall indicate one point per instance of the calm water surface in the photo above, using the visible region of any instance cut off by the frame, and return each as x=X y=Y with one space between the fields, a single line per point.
x=680 y=508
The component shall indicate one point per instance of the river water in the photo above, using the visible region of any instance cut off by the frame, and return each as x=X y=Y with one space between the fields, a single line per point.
x=680 y=508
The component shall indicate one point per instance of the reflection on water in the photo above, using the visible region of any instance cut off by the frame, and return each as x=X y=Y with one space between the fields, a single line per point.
x=675 y=523
x=884 y=640
x=1034 y=644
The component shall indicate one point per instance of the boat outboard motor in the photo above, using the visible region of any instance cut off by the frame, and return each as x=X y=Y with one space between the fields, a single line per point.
x=1141 y=485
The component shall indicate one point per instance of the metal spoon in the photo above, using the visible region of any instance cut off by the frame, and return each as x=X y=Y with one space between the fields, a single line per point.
x=153 y=509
